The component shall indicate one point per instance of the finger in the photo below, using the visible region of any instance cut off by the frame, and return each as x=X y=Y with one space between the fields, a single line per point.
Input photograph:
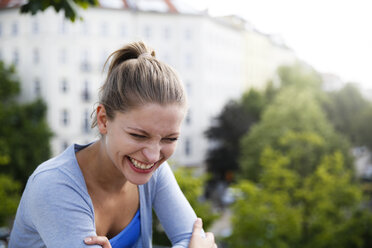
x=98 y=240
x=198 y=226
x=209 y=236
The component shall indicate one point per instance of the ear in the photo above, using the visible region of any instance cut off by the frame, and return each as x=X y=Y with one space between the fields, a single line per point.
x=101 y=119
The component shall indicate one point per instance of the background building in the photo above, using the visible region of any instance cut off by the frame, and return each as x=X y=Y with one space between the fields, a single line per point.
x=62 y=62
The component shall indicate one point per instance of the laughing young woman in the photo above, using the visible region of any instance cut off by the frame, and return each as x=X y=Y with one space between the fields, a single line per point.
x=103 y=193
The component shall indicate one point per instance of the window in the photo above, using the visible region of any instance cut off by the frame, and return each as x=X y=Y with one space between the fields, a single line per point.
x=37 y=87
x=15 y=57
x=85 y=28
x=64 y=145
x=188 y=88
x=14 y=28
x=188 y=60
x=85 y=65
x=188 y=34
x=104 y=29
x=63 y=27
x=188 y=118
x=147 y=32
x=86 y=126
x=64 y=85
x=63 y=56
x=65 y=117
x=187 y=147
x=167 y=33
x=36 y=56
x=123 y=30
x=104 y=56
x=35 y=27
x=167 y=59
x=86 y=93
x=1 y=29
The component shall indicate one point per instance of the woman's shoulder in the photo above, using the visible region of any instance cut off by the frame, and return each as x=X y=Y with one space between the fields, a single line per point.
x=161 y=178
x=59 y=171
x=161 y=173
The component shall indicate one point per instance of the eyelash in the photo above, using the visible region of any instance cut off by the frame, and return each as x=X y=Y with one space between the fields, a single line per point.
x=138 y=136
x=143 y=137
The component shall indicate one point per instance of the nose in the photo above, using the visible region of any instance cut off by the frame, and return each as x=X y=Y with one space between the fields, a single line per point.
x=151 y=152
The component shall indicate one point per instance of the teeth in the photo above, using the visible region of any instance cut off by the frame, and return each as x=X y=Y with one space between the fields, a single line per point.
x=140 y=165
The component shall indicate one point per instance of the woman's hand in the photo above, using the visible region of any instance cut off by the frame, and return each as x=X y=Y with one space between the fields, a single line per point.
x=197 y=241
x=98 y=240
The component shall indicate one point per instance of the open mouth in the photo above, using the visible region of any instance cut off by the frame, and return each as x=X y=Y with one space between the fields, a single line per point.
x=141 y=166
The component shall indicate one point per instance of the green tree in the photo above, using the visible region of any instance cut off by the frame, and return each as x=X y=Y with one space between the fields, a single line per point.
x=24 y=133
x=300 y=76
x=302 y=190
x=348 y=111
x=70 y=7
x=364 y=127
x=294 y=113
x=236 y=119
x=264 y=214
x=10 y=192
x=329 y=198
x=286 y=210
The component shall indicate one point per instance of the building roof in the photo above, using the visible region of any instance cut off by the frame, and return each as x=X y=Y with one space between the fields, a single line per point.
x=163 y=6
x=11 y=3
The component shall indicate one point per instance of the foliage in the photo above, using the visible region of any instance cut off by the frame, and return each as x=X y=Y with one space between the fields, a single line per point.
x=329 y=198
x=294 y=122
x=302 y=190
x=286 y=210
x=234 y=121
x=70 y=7
x=350 y=114
x=364 y=127
x=262 y=214
x=22 y=125
x=10 y=191
x=192 y=187
x=300 y=76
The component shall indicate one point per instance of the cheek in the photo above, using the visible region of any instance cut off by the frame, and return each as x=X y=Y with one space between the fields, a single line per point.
x=168 y=150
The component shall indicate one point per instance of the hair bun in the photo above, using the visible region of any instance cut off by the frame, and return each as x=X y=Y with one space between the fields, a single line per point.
x=147 y=54
x=134 y=50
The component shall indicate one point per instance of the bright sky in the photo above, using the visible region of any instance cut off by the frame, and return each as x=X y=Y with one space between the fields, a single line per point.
x=334 y=36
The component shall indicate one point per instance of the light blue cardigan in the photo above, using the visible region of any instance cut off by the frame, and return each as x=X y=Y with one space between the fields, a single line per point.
x=56 y=210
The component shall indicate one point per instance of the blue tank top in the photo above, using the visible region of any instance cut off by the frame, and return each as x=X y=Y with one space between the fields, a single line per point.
x=129 y=235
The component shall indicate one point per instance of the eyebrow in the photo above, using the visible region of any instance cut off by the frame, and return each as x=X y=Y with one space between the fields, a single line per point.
x=146 y=133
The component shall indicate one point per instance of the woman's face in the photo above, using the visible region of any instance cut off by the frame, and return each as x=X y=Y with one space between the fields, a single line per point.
x=139 y=141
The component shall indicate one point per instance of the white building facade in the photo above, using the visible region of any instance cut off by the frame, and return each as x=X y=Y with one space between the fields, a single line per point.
x=62 y=62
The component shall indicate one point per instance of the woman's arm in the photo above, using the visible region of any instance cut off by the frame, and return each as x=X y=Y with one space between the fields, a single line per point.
x=58 y=210
x=173 y=210
x=197 y=240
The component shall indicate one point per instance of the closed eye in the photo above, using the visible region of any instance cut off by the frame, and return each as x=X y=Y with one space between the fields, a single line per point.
x=139 y=136
x=171 y=139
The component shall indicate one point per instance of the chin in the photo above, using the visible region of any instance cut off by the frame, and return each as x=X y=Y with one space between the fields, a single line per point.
x=139 y=181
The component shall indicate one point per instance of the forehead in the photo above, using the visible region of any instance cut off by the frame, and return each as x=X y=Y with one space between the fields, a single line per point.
x=153 y=118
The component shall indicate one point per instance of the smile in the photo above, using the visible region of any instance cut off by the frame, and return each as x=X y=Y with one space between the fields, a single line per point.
x=140 y=165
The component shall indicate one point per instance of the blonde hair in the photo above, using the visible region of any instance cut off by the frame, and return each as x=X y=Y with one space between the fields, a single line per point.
x=135 y=78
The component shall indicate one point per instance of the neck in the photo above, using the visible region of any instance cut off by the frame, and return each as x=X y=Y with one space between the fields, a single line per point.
x=99 y=171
